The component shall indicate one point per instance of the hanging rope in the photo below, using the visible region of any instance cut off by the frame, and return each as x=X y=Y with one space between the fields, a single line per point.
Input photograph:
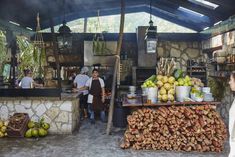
x=38 y=39
x=39 y=50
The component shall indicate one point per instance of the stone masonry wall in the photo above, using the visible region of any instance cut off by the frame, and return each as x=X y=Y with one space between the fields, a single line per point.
x=183 y=51
x=225 y=38
x=63 y=116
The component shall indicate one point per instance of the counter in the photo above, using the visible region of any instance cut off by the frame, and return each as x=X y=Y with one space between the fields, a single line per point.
x=62 y=113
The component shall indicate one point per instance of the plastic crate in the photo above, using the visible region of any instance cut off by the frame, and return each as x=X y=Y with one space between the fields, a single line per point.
x=13 y=132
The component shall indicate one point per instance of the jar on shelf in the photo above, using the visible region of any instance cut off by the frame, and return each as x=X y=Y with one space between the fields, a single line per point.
x=233 y=58
x=229 y=58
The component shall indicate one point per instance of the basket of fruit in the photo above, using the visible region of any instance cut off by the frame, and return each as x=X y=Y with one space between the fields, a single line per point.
x=17 y=125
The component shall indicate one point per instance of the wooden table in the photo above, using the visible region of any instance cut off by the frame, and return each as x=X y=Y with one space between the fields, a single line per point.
x=140 y=103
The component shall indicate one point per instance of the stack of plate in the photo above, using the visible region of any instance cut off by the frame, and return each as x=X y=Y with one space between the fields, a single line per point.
x=207 y=94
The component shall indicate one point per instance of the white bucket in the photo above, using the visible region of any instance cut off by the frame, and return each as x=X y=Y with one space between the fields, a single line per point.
x=144 y=91
x=152 y=94
x=182 y=92
x=152 y=99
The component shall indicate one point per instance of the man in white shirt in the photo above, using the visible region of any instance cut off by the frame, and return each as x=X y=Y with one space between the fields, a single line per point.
x=79 y=82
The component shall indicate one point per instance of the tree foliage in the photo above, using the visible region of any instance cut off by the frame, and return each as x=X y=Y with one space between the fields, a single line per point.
x=31 y=57
x=3 y=51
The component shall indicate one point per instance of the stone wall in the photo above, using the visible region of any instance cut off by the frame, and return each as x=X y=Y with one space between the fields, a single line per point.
x=225 y=41
x=183 y=51
x=62 y=115
x=224 y=107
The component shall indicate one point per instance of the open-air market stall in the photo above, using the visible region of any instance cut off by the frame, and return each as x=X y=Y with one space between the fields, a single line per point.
x=170 y=69
x=173 y=113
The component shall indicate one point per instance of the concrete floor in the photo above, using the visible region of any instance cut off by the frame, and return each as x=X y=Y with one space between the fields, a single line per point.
x=90 y=141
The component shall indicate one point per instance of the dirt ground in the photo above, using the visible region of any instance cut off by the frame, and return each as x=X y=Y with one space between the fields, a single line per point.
x=88 y=141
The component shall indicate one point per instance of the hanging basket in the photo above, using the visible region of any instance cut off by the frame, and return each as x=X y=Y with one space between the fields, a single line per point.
x=98 y=44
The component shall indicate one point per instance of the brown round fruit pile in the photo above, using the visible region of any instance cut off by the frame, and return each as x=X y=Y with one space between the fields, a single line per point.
x=176 y=128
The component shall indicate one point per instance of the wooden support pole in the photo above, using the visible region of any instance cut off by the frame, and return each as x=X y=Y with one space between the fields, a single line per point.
x=55 y=52
x=11 y=40
x=116 y=67
x=85 y=25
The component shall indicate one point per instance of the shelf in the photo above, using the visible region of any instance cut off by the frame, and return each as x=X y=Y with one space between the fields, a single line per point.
x=221 y=77
x=138 y=102
x=215 y=63
x=196 y=67
x=196 y=71
x=201 y=76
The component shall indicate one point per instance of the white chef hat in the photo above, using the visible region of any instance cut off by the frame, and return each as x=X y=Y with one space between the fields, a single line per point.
x=84 y=70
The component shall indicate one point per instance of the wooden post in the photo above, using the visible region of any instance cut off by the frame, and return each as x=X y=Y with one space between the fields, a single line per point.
x=85 y=25
x=116 y=67
x=55 y=52
x=11 y=40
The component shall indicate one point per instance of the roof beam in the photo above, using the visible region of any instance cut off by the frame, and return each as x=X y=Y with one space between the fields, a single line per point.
x=93 y=13
x=214 y=15
x=227 y=4
x=162 y=14
x=181 y=16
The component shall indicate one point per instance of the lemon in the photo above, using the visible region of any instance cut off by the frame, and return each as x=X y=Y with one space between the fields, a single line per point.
x=165 y=79
x=171 y=97
x=159 y=84
x=171 y=91
x=3 y=129
x=171 y=79
x=162 y=91
x=159 y=77
x=1 y=123
x=164 y=98
x=167 y=86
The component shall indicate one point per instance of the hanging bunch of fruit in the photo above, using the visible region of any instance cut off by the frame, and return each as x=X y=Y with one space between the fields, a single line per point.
x=166 y=86
x=3 y=127
x=166 y=66
x=37 y=129
x=165 y=80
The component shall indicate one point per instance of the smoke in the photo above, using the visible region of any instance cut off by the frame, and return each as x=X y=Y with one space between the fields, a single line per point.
x=24 y=12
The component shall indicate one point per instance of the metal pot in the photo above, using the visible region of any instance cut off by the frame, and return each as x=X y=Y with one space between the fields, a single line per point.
x=220 y=59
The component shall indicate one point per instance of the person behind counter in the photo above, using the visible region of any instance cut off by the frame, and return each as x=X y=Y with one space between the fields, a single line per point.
x=232 y=118
x=27 y=81
x=79 y=82
x=96 y=96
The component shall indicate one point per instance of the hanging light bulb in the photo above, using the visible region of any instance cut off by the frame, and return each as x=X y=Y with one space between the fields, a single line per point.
x=65 y=37
x=151 y=35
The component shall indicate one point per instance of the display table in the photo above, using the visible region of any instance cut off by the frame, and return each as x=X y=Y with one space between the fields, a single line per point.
x=62 y=112
x=178 y=126
x=139 y=102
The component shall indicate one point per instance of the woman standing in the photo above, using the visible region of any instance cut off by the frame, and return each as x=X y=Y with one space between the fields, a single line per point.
x=27 y=81
x=96 y=96
x=232 y=119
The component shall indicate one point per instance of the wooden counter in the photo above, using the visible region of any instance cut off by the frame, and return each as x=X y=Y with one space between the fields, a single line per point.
x=138 y=102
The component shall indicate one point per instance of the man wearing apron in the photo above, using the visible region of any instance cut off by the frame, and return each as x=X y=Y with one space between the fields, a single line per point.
x=96 y=96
